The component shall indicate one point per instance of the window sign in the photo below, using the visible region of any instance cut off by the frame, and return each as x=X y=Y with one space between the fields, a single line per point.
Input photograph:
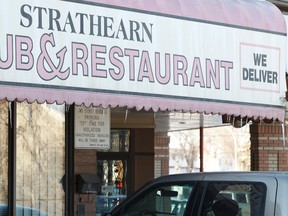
x=92 y=128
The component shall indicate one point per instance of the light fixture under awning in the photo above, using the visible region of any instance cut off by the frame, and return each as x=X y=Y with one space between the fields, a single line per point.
x=218 y=57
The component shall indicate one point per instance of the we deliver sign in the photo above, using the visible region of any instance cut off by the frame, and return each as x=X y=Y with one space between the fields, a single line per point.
x=260 y=67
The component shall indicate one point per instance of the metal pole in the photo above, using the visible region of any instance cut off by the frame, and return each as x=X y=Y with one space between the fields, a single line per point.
x=12 y=159
x=201 y=143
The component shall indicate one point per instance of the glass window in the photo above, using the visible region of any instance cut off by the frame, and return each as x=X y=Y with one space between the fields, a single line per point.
x=40 y=159
x=234 y=199
x=119 y=141
x=113 y=174
x=3 y=153
x=163 y=200
x=112 y=168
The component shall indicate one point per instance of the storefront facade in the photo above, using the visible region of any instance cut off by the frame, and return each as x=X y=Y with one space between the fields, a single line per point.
x=82 y=81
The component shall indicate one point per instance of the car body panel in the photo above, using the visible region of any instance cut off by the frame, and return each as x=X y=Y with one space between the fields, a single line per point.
x=274 y=199
x=21 y=211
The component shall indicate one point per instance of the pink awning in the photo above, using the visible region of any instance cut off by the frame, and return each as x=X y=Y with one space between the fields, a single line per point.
x=242 y=13
x=139 y=102
x=247 y=16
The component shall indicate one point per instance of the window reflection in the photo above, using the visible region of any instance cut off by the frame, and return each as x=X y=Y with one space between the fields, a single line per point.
x=240 y=198
x=40 y=157
x=161 y=200
x=3 y=152
x=113 y=174
x=112 y=167
x=119 y=141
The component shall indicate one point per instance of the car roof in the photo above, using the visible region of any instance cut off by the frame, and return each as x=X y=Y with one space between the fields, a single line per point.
x=221 y=175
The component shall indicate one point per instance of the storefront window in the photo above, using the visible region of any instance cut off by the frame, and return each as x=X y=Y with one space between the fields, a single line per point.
x=119 y=141
x=3 y=152
x=40 y=158
x=112 y=167
x=113 y=174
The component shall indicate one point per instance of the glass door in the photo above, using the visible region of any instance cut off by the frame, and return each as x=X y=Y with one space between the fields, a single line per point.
x=112 y=167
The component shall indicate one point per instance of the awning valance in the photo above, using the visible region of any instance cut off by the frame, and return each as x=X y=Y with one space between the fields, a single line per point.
x=223 y=56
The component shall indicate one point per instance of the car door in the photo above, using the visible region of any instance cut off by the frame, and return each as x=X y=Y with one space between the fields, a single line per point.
x=253 y=194
x=171 y=195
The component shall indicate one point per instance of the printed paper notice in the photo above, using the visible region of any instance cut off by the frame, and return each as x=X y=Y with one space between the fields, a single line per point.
x=92 y=128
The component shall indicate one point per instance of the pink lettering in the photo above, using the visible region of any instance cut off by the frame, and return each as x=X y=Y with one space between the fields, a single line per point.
x=96 y=61
x=211 y=74
x=24 y=57
x=131 y=54
x=9 y=60
x=197 y=74
x=166 y=77
x=180 y=67
x=145 y=69
x=79 y=58
x=46 y=68
x=117 y=63
x=227 y=66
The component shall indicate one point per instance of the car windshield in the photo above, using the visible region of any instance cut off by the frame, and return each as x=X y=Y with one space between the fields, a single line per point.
x=162 y=200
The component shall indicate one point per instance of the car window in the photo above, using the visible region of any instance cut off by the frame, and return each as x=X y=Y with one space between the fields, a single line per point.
x=161 y=200
x=234 y=199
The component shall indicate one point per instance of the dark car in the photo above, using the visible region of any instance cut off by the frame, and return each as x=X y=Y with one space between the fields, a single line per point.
x=21 y=211
x=210 y=194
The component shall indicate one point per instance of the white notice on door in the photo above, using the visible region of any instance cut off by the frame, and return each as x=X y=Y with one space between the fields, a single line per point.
x=92 y=128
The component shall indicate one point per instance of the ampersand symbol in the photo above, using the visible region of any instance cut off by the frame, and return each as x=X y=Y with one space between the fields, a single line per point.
x=55 y=71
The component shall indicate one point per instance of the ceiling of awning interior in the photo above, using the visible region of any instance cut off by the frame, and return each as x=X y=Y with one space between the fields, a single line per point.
x=172 y=121
x=167 y=121
x=176 y=121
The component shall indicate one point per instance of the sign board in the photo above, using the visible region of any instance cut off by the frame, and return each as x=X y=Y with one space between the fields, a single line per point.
x=95 y=54
x=92 y=128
